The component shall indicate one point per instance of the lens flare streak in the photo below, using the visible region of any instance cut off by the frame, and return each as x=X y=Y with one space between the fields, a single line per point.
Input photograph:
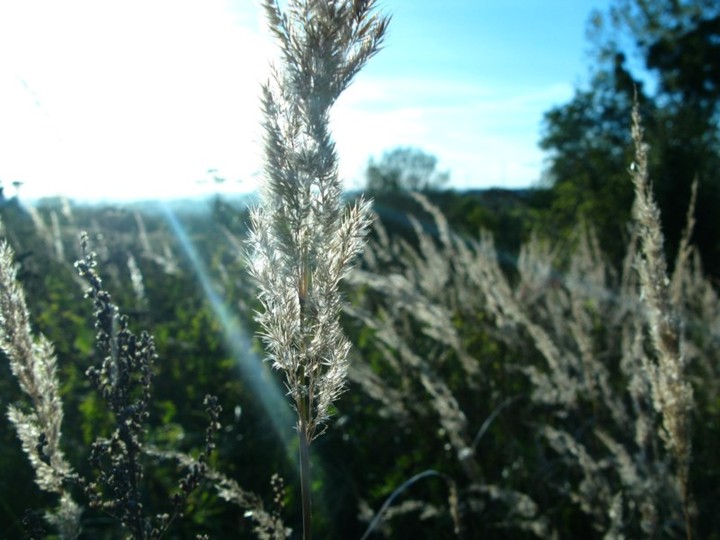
x=252 y=369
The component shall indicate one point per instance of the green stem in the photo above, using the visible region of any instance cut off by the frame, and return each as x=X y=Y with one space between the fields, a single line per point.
x=686 y=511
x=305 y=480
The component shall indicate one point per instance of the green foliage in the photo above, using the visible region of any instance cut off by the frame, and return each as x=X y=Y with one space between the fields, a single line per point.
x=369 y=450
x=404 y=169
x=588 y=141
x=672 y=46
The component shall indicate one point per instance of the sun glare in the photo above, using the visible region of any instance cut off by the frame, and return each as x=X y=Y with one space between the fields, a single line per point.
x=255 y=373
x=128 y=99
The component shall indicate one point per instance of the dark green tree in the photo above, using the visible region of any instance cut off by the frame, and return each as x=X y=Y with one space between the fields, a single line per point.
x=404 y=169
x=674 y=48
x=588 y=141
x=679 y=44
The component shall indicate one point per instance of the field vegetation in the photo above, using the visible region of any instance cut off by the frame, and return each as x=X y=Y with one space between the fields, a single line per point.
x=531 y=364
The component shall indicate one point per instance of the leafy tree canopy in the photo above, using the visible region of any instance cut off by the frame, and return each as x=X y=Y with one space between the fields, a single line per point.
x=667 y=52
x=404 y=169
x=677 y=41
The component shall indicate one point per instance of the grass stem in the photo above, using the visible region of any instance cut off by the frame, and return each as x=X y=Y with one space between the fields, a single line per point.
x=305 y=480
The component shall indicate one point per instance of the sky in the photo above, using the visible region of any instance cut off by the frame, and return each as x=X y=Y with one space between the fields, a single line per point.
x=136 y=99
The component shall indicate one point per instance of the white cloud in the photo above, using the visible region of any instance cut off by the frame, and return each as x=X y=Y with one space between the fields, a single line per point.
x=482 y=133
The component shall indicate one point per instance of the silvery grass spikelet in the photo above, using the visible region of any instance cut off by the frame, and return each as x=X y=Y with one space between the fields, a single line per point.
x=672 y=394
x=303 y=240
x=33 y=363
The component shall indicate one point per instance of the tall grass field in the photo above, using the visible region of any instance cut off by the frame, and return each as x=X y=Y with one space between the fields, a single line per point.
x=319 y=364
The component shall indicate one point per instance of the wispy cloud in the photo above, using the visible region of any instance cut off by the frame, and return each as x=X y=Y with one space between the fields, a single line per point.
x=483 y=133
x=136 y=98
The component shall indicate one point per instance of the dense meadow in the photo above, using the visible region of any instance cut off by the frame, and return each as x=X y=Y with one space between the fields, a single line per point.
x=513 y=384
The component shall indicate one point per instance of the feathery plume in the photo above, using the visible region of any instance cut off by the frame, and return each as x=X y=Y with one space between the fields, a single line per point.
x=672 y=394
x=303 y=240
x=33 y=362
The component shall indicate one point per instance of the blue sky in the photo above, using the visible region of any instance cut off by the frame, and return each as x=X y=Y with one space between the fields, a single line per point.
x=139 y=98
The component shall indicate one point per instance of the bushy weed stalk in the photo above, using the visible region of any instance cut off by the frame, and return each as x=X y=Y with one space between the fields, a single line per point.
x=123 y=378
x=303 y=240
